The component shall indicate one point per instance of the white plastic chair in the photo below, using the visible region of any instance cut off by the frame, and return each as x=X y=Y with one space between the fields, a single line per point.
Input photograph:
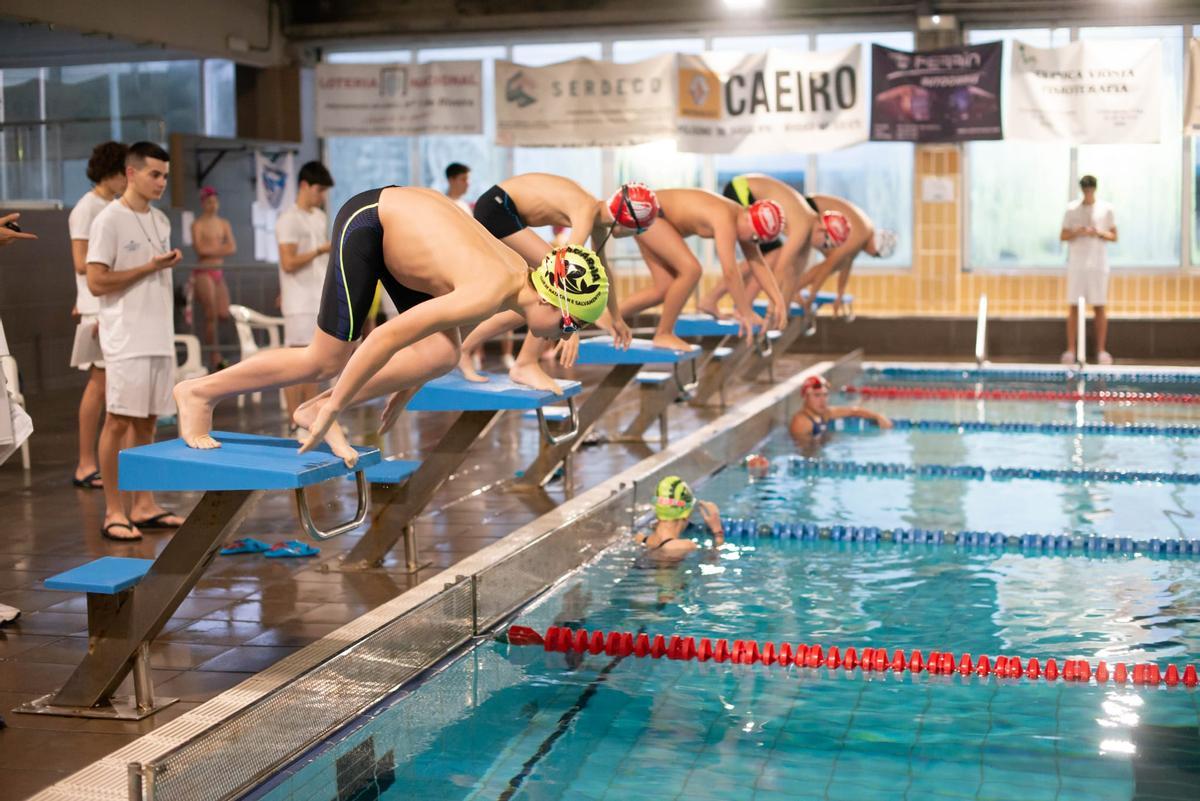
x=246 y=321
x=193 y=364
x=9 y=365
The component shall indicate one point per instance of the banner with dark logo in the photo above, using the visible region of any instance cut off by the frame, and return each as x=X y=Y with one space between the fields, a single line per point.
x=441 y=97
x=774 y=102
x=1087 y=92
x=950 y=95
x=585 y=103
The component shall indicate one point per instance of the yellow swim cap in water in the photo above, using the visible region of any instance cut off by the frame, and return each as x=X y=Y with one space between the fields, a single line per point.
x=674 y=499
x=571 y=278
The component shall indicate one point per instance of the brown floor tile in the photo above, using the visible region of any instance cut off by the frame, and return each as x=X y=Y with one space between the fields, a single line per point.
x=18 y=785
x=200 y=685
x=13 y=643
x=32 y=746
x=294 y=634
x=50 y=623
x=214 y=632
x=172 y=655
x=247 y=658
x=334 y=613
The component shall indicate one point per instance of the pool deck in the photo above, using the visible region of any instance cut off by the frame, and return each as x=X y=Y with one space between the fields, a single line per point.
x=247 y=612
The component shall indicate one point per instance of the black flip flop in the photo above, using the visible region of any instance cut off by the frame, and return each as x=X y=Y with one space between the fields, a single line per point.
x=88 y=481
x=104 y=532
x=156 y=521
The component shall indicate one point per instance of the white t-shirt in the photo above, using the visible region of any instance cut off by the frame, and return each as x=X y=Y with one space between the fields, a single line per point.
x=139 y=320
x=1088 y=252
x=306 y=230
x=80 y=224
x=464 y=205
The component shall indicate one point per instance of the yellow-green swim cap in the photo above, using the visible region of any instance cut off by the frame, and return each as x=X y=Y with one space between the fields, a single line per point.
x=572 y=279
x=674 y=499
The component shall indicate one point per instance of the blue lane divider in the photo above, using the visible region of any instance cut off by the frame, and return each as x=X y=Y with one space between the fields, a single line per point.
x=824 y=467
x=1092 y=544
x=1141 y=430
x=1047 y=376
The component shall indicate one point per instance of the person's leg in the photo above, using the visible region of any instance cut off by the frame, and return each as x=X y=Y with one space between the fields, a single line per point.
x=321 y=360
x=495 y=325
x=676 y=273
x=1072 y=326
x=221 y=301
x=1101 y=323
x=117 y=427
x=205 y=295
x=711 y=300
x=143 y=509
x=405 y=372
x=91 y=409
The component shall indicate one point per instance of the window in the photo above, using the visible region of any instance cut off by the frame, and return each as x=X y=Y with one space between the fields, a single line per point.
x=359 y=163
x=1016 y=191
x=875 y=176
x=581 y=164
x=791 y=168
x=488 y=162
x=1143 y=182
x=220 y=98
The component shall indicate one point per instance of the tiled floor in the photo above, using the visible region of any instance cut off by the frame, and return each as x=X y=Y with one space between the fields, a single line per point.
x=247 y=612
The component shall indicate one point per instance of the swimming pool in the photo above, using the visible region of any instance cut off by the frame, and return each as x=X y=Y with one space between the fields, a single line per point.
x=504 y=722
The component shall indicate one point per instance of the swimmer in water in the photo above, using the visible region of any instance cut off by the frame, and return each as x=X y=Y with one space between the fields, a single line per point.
x=673 y=506
x=812 y=421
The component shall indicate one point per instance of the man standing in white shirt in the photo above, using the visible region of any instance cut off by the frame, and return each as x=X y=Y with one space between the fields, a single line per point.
x=458 y=181
x=106 y=170
x=303 y=235
x=129 y=262
x=1087 y=228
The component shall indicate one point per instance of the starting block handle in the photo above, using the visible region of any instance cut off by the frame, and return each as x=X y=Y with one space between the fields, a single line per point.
x=686 y=391
x=360 y=516
x=763 y=346
x=566 y=436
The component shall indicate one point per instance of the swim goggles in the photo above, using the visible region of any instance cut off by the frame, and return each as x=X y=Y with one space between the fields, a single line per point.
x=568 y=324
x=627 y=202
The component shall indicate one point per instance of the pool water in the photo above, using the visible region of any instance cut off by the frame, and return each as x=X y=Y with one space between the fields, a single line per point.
x=509 y=722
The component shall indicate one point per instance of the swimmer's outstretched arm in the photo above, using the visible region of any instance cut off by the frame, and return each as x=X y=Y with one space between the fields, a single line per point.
x=723 y=238
x=711 y=515
x=442 y=313
x=622 y=335
x=839 y=412
x=766 y=279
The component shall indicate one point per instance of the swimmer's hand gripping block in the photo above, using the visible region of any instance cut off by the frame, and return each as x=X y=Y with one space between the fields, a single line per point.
x=243 y=462
x=601 y=350
x=453 y=393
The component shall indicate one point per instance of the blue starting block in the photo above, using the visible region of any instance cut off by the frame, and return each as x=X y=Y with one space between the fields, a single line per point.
x=243 y=462
x=391 y=471
x=718 y=370
x=625 y=364
x=704 y=325
x=129 y=601
x=414 y=484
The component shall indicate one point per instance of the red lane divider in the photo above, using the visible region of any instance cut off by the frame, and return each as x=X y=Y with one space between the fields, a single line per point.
x=959 y=393
x=877 y=660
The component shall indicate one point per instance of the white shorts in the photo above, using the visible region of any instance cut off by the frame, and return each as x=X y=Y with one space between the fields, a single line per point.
x=298 y=329
x=86 y=353
x=140 y=386
x=1091 y=284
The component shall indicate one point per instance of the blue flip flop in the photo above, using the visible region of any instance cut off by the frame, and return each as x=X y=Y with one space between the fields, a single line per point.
x=245 y=545
x=291 y=548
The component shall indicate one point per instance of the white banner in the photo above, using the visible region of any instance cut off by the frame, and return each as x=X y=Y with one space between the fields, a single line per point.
x=1086 y=92
x=1191 y=100
x=773 y=102
x=441 y=97
x=274 y=193
x=585 y=103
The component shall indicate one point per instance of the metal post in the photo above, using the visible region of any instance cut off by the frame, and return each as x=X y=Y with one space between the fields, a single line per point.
x=412 y=560
x=981 y=332
x=143 y=684
x=133 y=772
x=662 y=426
x=1081 y=334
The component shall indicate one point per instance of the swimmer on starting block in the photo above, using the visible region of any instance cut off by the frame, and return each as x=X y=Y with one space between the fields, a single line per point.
x=443 y=270
x=509 y=209
x=812 y=421
x=676 y=271
x=860 y=236
x=673 y=506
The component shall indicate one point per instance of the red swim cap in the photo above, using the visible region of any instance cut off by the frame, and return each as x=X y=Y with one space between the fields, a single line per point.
x=767 y=218
x=813 y=382
x=837 y=227
x=634 y=205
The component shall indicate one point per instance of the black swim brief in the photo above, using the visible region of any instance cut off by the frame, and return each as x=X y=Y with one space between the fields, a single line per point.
x=356 y=267
x=496 y=212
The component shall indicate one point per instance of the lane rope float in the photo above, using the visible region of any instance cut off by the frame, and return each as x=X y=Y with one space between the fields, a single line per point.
x=829 y=467
x=976 y=426
x=966 y=393
x=1039 y=376
x=869 y=660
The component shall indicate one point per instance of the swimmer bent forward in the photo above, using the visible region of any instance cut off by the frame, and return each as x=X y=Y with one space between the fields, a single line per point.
x=444 y=272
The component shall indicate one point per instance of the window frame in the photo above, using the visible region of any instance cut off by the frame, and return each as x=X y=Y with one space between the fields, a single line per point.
x=1187 y=267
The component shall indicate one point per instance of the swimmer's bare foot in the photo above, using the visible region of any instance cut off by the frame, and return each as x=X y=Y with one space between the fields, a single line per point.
x=195 y=416
x=671 y=342
x=466 y=366
x=335 y=437
x=532 y=375
x=711 y=311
